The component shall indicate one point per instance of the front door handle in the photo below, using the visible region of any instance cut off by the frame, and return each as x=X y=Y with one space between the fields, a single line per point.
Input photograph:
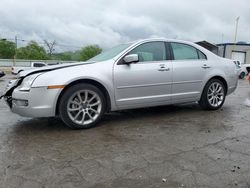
x=205 y=66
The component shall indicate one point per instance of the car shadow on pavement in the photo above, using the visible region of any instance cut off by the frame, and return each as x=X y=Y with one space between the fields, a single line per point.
x=110 y=119
x=40 y=124
x=150 y=112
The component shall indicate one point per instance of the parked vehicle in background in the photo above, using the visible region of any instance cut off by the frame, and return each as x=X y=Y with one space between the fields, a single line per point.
x=145 y=73
x=17 y=70
x=244 y=68
x=54 y=63
x=2 y=74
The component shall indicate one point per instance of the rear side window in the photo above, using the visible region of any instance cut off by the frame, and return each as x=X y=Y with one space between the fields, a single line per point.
x=151 y=51
x=184 y=51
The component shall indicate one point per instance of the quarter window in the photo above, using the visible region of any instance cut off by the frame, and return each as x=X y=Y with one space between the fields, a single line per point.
x=184 y=51
x=201 y=55
x=151 y=51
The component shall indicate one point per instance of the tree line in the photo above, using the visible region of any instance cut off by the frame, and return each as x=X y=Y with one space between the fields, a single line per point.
x=34 y=51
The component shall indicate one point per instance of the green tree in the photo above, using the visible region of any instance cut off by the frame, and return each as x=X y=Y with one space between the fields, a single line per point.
x=76 y=56
x=7 y=49
x=32 y=51
x=89 y=51
x=64 y=56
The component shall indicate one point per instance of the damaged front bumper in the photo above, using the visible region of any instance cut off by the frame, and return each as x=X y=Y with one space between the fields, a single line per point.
x=38 y=102
x=12 y=84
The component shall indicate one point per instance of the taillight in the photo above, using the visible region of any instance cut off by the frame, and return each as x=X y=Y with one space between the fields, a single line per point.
x=237 y=64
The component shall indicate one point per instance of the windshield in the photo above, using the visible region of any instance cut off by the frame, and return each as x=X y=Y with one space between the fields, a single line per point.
x=110 y=53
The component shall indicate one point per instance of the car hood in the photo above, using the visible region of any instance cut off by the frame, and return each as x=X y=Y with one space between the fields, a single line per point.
x=50 y=68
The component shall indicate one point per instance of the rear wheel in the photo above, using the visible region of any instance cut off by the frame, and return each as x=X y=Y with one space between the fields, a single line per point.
x=82 y=106
x=213 y=95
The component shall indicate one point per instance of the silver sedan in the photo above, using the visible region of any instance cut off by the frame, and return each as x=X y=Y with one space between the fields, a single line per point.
x=145 y=73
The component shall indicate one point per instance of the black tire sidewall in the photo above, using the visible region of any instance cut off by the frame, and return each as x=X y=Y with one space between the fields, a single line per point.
x=242 y=75
x=204 y=103
x=64 y=102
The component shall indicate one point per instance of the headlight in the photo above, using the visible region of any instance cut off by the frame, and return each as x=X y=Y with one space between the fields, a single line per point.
x=27 y=82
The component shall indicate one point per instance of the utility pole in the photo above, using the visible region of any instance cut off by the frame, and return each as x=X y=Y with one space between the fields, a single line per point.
x=235 y=35
x=236 y=29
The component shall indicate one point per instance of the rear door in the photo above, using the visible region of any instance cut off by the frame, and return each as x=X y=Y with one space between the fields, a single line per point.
x=189 y=70
x=147 y=82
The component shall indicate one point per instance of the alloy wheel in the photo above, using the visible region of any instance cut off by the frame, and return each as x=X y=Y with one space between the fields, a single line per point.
x=215 y=94
x=84 y=107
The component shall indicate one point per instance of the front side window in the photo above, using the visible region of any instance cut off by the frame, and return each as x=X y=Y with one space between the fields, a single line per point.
x=184 y=51
x=151 y=51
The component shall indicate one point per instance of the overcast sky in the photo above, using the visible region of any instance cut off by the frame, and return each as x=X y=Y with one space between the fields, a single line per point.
x=109 y=22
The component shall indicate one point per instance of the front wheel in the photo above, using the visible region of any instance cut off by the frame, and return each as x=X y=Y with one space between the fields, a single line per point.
x=82 y=106
x=213 y=95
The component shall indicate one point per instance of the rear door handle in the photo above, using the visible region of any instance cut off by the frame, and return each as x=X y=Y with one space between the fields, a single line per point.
x=205 y=66
x=164 y=69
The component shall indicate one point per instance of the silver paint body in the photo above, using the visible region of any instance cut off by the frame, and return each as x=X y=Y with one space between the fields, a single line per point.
x=130 y=86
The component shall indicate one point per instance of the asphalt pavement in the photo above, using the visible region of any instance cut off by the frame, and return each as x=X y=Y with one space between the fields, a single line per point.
x=170 y=146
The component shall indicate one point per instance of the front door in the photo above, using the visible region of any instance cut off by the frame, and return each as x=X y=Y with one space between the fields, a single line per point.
x=147 y=82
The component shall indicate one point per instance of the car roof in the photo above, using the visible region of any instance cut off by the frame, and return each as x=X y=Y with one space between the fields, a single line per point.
x=162 y=39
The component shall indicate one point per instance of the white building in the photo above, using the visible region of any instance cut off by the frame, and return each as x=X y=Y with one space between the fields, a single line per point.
x=239 y=51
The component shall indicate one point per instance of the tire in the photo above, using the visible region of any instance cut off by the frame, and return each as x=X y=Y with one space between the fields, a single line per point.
x=78 y=111
x=242 y=75
x=213 y=95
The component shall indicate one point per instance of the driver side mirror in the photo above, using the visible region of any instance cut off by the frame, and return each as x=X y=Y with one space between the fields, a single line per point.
x=131 y=58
